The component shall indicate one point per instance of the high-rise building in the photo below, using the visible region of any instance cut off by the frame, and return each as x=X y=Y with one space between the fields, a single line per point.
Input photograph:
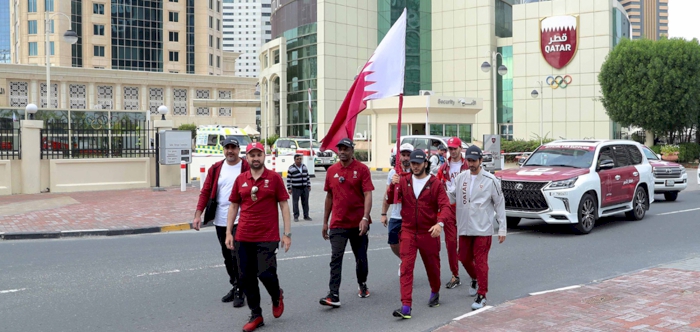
x=246 y=29
x=649 y=18
x=5 y=38
x=173 y=36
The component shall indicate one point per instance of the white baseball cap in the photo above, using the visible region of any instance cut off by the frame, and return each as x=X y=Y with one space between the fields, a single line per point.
x=406 y=147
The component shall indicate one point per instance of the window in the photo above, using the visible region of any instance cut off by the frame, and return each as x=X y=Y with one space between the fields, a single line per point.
x=635 y=154
x=174 y=56
x=211 y=4
x=211 y=41
x=172 y=0
x=218 y=43
x=99 y=30
x=51 y=26
x=218 y=61
x=31 y=6
x=48 y=5
x=605 y=154
x=211 y=60
x=218 y=24
x=404 y=129
x=174 y=36
x=33 y=49
x=173 y=16
x=32 y=27
x=51 y=48
x=211 y=22
x=622 y=159
x=99 y=50
x=98 y=8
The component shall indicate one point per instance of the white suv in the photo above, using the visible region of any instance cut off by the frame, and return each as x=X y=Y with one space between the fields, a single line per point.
x=671 y=178
x=577 y=182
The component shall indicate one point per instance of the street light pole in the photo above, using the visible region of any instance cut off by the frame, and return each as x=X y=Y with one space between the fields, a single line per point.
x=70 y=36
x=502 y=70
x=535 y=94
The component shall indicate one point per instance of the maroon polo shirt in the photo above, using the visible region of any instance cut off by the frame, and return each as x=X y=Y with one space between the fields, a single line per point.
x=349 y=196
x=259 y=221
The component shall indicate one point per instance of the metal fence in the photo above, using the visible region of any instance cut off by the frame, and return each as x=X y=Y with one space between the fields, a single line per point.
x=63 y=140
x=10 y=143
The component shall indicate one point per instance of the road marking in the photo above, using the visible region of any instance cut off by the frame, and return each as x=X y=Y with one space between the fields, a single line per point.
x=675 y=212
x=473 y=312
x=175 y=227
x=555 y=290
x=12 y=290
x=157 y=273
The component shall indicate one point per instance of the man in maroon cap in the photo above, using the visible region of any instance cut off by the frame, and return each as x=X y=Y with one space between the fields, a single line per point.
x=447 y=172
x=257 y=193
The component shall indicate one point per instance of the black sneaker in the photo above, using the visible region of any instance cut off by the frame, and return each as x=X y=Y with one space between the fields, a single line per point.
x=229 y=297
x=473 y=288
x=308 y=218
x=402 y=313
x=238 y=299
x=363 y=290
x=296 y=219
x=331 y=300
x=479 y=303
x=454 y=282
x=434 y=300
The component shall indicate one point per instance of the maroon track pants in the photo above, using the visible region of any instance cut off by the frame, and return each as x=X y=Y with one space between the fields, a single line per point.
x=429 y=248
x=474 y=255
x=451 y=240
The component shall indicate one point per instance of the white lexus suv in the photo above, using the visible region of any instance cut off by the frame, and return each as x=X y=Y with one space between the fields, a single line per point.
x=577 y=182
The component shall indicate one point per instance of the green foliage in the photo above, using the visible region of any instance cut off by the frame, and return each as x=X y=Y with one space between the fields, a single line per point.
x=270 y=140
x=669 y=149
x=189 y=126
x=656 y=149
x=362 y=155
x=688 y=152
x=654 y=85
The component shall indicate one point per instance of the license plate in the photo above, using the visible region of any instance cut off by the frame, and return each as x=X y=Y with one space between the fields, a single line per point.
x=670 y=183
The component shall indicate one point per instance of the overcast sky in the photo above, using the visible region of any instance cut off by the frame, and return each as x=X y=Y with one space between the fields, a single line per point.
x=683 y=19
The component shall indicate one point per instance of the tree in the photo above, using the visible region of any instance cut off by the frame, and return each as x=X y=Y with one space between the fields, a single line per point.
x=653 y=84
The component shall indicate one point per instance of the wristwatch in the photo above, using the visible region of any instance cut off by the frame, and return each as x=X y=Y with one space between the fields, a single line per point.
x=441 y=224
x=289 y=235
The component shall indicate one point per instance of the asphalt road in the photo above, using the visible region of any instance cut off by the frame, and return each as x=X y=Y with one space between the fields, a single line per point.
x=173 y=281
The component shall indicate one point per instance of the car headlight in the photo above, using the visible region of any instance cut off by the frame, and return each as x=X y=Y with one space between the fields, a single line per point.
x=563 y=184
x=682 y=170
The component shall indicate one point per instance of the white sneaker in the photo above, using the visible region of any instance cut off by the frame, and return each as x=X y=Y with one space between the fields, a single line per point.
x=479 y=303
x=473 y=286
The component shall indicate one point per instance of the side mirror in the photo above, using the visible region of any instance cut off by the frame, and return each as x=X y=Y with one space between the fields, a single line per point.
x=606 y=164
x=292 y=146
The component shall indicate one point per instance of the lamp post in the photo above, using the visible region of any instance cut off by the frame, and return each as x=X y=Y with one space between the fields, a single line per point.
x=31 y=109
x=534 y=94
x=162 y=110
x=502 y=70
x=70 y=36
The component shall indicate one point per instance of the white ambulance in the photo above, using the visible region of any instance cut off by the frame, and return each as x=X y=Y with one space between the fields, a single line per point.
x=209 y=138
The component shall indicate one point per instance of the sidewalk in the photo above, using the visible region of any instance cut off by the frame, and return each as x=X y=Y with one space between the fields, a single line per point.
x=97 y=213
x=666 y=298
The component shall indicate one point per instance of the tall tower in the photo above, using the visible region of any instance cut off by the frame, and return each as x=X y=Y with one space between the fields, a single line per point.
x=649 y=18
x=246 y=29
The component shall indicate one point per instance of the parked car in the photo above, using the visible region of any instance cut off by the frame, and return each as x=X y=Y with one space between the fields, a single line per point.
x=577 y=182
x=522 y=158
x=669 y=178
x=428 y=143
x=292 y=145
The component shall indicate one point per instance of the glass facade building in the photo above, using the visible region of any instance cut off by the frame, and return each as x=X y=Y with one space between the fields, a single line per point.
x=418 y=74
x=301 y=76
x=137 y=35
x=504 y=18
x=5 y=39
x=504 y=87
x=76 y=14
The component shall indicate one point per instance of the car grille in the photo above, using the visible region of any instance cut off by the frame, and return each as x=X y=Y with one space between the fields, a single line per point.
x=667 y=172
x=528 y=198
x=324 y=154
x=487 y=159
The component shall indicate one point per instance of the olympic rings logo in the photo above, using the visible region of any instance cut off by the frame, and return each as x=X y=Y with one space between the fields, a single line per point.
x=559 y=81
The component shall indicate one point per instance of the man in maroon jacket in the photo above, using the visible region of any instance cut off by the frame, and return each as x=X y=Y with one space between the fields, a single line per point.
x=421 y=196
x=447 y=172
x=218 y=186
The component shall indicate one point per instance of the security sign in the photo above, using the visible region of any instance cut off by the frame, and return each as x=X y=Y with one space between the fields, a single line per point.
x=559 y=39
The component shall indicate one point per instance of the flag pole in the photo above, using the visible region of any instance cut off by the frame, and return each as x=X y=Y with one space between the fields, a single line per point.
x=397 y=163
x=311 y=135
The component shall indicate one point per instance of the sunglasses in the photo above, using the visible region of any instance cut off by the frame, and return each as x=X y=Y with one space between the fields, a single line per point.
x=253 y=192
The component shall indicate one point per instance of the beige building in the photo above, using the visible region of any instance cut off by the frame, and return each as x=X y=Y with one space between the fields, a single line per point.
x=143 y=36
x=649 y=18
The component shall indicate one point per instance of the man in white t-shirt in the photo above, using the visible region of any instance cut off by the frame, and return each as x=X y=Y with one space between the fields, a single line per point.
x=394 y=223
x=218 y=186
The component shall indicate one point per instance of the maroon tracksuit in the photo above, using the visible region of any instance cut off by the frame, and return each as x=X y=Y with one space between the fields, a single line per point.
x=444 y=176
x=418 y=216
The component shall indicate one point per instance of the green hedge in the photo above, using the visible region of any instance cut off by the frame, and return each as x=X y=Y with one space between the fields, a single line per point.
x=688 y=152
x=521 y=146
x=361 y=155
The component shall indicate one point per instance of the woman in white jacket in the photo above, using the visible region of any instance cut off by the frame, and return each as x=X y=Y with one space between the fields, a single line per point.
x=478 y=197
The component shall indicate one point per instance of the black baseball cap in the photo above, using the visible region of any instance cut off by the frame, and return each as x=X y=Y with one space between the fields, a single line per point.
x=473 y=153
x=418 y=156
x=230 y=140
x=442 y=147
x=346 y=142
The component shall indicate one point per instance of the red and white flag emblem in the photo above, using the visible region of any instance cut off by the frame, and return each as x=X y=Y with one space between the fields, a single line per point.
x=559 y=39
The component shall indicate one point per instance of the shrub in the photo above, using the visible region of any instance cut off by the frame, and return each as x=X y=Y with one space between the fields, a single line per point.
x=189 y=126
x=361 y=155
x=669 y=149
x=688 y=152
x=656 y=149
x=270 y=140
x=521 y=146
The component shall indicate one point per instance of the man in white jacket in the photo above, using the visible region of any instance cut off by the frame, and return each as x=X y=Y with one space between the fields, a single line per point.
x=478 y=197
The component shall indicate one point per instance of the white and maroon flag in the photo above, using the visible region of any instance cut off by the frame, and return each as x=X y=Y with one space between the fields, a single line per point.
x=381 y=77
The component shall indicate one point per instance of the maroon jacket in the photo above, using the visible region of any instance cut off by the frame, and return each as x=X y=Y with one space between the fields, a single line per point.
x=210 y=184
x=418 y=215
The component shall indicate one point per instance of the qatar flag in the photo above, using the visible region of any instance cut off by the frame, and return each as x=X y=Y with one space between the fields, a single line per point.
x=381 y=77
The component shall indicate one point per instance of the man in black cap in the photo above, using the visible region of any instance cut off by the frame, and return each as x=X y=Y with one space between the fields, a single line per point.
x=421 y=196
x=218 y=186
x=478 y=197
x=349 y=195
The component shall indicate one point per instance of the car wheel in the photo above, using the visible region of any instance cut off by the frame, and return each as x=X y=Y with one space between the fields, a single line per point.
x=512 y=222
x=640 y=202
x=671 y=197
x=587 y=214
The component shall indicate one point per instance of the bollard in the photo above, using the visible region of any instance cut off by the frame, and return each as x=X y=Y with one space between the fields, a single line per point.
x=274 y=167
x=202 y=174
x=183 y=176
